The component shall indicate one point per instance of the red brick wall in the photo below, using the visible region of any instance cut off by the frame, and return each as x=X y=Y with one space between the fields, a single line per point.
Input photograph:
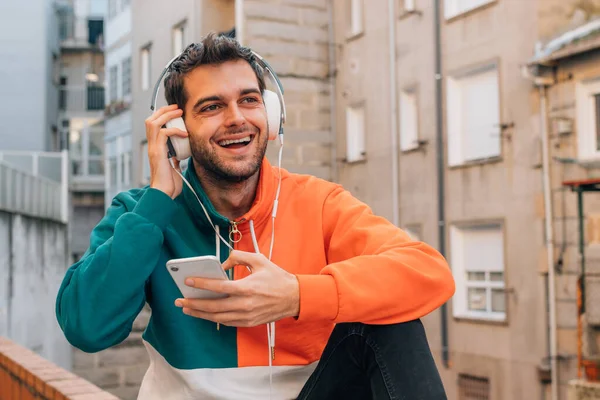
x=25 y=375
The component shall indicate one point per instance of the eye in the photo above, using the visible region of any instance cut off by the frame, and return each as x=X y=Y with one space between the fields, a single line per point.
x=212 y=107
x=250 y=100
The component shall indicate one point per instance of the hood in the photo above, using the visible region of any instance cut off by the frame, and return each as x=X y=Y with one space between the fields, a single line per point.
x=259 y=212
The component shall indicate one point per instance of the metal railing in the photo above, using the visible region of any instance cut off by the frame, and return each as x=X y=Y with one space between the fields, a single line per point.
x=81 y=98
x=35 y=184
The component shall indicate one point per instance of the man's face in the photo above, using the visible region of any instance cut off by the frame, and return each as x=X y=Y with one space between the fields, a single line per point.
x=226 y=120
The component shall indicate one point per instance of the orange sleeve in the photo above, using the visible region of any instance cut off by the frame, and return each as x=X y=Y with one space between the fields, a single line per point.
x=375 y=274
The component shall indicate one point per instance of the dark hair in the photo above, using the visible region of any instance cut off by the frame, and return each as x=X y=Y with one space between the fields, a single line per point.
x=212 y=49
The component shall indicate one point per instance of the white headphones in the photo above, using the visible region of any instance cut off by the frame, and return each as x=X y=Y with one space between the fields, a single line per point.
x=274 y=104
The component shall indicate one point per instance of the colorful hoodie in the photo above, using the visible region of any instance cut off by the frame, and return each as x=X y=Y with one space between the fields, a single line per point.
x=352 y=266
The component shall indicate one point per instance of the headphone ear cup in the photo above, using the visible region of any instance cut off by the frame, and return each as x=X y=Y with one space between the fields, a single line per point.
x=273 y=107
x=180 y=145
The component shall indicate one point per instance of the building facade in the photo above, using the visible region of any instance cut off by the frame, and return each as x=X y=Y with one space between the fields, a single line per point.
x=451 y=125
x=30 y=76
x=118 y=116
x=431 y=112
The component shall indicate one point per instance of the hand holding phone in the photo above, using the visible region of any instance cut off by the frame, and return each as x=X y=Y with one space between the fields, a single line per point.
x=207 y=267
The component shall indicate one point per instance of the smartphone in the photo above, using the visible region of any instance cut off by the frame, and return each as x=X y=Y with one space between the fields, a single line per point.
x=202 y=267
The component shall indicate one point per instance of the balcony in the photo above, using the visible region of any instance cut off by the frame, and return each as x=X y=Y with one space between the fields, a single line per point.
x=80 y=34
x=81 y=99
x=86 y=149
x=35 y=184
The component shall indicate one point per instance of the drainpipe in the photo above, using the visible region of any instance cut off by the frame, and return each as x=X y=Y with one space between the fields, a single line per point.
x=548 y=216
x=393 y=113
x=332 y=94
x=440 y=171
x=239 y=21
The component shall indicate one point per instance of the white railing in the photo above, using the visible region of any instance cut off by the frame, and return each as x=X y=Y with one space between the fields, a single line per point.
x=35 y=184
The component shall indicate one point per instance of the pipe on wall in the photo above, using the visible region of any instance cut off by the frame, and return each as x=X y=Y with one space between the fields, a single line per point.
x=440 y=172
x=393 y=111
x=548 y=216
x=332 y=94
x=239 y=21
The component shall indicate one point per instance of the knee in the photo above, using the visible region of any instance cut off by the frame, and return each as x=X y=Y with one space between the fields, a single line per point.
x=411 y=333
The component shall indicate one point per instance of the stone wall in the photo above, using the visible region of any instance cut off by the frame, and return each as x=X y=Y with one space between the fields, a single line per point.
x=293 y=36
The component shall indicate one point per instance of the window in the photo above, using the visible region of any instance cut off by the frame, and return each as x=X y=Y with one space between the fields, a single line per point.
x=86 y=150
x=355 y=9
x=355 y=133
x=455 y=7
x=409 y=124
x=477 y=259
x=588 y=120
x=473 y=117
x=114 y=82
x=473 y=387
x=178 y=39
x=145 y=62
x=95 y=31
x=126 y=76
x=112 y=8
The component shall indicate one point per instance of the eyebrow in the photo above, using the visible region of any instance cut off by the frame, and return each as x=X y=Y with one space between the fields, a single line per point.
x=203 y=100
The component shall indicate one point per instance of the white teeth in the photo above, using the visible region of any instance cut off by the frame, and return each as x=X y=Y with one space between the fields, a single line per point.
x=228 y=142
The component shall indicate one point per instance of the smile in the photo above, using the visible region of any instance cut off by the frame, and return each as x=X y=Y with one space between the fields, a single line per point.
x=235 y=143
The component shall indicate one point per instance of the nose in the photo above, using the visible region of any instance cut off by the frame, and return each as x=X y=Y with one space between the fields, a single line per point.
x=234 y=116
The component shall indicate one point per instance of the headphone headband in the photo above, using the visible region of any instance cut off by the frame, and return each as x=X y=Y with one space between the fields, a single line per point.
x=260 y=61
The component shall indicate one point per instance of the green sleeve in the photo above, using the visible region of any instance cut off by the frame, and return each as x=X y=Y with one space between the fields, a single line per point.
x=102 y=294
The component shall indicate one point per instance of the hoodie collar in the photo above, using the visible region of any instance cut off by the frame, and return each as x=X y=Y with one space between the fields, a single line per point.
x=259 y=211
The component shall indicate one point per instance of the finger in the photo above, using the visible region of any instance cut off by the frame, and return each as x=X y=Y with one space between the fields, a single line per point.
x=228 y=319
x=217 y=285
x=172 y=132
x=161 y=111
x=227 y=304
x=166 y=117
x=237 y=257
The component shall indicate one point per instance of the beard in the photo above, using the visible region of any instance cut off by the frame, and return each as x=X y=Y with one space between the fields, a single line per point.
x=233 y=171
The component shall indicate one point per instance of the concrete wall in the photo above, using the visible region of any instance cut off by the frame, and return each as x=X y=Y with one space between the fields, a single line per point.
x=33 y=260
x=26 y=74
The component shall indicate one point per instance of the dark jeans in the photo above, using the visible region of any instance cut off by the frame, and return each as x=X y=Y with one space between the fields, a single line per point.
x=376 y=362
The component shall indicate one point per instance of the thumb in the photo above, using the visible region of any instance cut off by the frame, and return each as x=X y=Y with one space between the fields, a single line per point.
x=237 y=257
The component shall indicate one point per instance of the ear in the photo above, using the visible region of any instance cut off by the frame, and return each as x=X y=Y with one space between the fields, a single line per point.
x=273 y=108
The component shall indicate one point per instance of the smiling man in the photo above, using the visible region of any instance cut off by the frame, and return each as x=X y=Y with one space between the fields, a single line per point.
x=344 y=288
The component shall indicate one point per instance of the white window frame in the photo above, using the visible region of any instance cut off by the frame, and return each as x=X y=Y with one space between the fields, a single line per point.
x=145 y=65
x=126 y=77
x=459 y=144
x=409 y=5
x=409 y=119
x=454 y=8
x=356 y=17
x=356 y=132
x=461 y=273
x=178 y=39
x=587 y=123
x=113 y=79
